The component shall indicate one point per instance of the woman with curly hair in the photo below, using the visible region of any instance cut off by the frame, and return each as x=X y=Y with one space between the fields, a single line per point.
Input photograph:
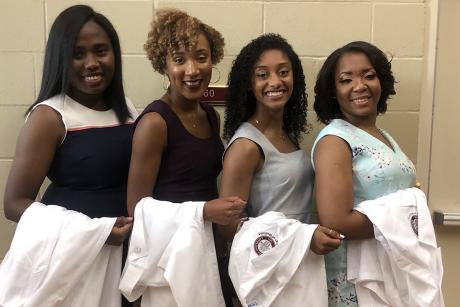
x=176 y=154
x=264 y=118
x=354 y=160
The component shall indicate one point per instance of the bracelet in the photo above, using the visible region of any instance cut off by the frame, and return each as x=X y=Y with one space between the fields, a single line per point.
x=240 y=224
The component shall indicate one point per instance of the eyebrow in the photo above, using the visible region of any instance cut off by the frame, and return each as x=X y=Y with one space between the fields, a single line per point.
x=180 y=52
x=95 y=45
x=265 y=66
x=347 y=72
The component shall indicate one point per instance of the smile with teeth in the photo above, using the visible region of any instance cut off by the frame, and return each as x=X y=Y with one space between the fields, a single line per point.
x=274 y=93
x=93 y=78
x=360 y=100
x=192 y=82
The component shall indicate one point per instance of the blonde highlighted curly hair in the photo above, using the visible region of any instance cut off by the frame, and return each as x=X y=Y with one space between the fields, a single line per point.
x=172 y=29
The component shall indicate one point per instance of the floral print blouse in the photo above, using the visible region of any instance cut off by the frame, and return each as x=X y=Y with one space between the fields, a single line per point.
x=378 y=170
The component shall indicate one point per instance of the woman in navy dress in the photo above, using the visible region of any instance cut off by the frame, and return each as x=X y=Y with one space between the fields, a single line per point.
x=78 y=131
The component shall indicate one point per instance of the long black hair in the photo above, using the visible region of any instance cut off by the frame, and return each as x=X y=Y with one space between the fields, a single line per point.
x=241 y=102
x=326 y=105
x=59 y=54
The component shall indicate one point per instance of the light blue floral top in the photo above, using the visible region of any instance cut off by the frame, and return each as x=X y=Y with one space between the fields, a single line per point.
x=378 y=170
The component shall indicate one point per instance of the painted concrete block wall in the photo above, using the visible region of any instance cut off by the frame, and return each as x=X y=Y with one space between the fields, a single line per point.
x=314 y=28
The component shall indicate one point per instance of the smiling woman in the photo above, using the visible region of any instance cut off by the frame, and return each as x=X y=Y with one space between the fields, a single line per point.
x=272 y=81
x=93 y=66
x=177 y=149
x=265 y=114
x=263 y=162
x=78 y=134
x=357 y=88
x=354 y=160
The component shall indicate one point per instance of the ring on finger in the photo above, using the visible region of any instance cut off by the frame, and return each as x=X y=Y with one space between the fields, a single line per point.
x=330 y=231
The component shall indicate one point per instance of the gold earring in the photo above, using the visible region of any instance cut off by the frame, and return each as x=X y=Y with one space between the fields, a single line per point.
x=166 y=83
x=218 y=75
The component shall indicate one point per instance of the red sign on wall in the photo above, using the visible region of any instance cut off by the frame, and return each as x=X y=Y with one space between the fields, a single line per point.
x=215 y=95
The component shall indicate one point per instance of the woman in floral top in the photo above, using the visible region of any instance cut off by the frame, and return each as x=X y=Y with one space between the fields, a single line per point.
x=354 y=160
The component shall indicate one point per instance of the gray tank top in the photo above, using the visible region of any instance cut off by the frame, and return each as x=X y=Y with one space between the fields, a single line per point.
x=285 y=181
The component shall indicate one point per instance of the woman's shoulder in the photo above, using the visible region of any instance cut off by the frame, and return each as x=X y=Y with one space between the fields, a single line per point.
x=46 y=120
x=338 y=128
x=249 y=140
x=155 y=113
x=53 y=107
x=56 y=102
x=158 y=106
x=242 y=148
x=248 y=131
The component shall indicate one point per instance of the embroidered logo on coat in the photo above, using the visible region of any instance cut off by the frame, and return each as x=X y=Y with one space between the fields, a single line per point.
x=264 y=242
x=413 y=218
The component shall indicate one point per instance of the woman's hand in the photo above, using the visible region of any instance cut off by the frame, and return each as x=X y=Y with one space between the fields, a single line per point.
x=325 y=240
x=224 y=210
x=120 y=231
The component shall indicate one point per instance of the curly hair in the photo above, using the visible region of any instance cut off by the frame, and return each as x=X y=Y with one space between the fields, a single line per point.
x=326 y=105
x=172 y=29
x=240 y=100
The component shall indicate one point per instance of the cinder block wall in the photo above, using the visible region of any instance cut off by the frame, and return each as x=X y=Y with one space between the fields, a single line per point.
x=314 y=28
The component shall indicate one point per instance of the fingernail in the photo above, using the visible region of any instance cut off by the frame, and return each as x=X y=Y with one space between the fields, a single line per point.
x=341 y=236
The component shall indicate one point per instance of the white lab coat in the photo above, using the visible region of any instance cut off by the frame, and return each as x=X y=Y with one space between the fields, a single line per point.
x=58 y=258
x=398 y=267
x=172 y=258
x=271 y=264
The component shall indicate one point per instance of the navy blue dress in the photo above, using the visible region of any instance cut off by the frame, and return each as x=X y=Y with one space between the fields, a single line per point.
x=89 y=171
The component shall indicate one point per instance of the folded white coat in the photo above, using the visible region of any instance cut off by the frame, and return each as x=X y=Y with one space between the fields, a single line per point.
x=402 y=266
x=271 y=264
x=58 y=258
x=172 y=258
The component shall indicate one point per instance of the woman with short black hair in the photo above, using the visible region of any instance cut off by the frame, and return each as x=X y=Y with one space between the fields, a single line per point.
x=354 y=160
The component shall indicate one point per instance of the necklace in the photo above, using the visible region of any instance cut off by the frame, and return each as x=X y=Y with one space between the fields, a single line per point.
x=194 y=118
x=282 y=135
x=191 y=118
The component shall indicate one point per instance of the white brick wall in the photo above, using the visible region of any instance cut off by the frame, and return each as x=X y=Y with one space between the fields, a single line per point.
x=314 y=28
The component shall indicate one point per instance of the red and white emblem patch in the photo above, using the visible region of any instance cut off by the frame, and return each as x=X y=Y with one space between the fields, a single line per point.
x=264 y=242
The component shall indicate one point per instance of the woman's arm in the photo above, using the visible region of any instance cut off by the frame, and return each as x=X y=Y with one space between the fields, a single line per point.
x=242 y=159
x=35 y=149
x=334 y=189
x=149 y=142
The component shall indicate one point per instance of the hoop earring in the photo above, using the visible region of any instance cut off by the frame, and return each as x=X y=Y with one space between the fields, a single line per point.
x=218 y=75
x=166 y=83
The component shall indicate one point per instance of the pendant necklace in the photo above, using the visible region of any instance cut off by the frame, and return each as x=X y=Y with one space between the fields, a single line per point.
x=282 y=134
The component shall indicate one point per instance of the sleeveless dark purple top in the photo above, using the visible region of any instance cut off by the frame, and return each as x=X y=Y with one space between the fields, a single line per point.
x=189 y=165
